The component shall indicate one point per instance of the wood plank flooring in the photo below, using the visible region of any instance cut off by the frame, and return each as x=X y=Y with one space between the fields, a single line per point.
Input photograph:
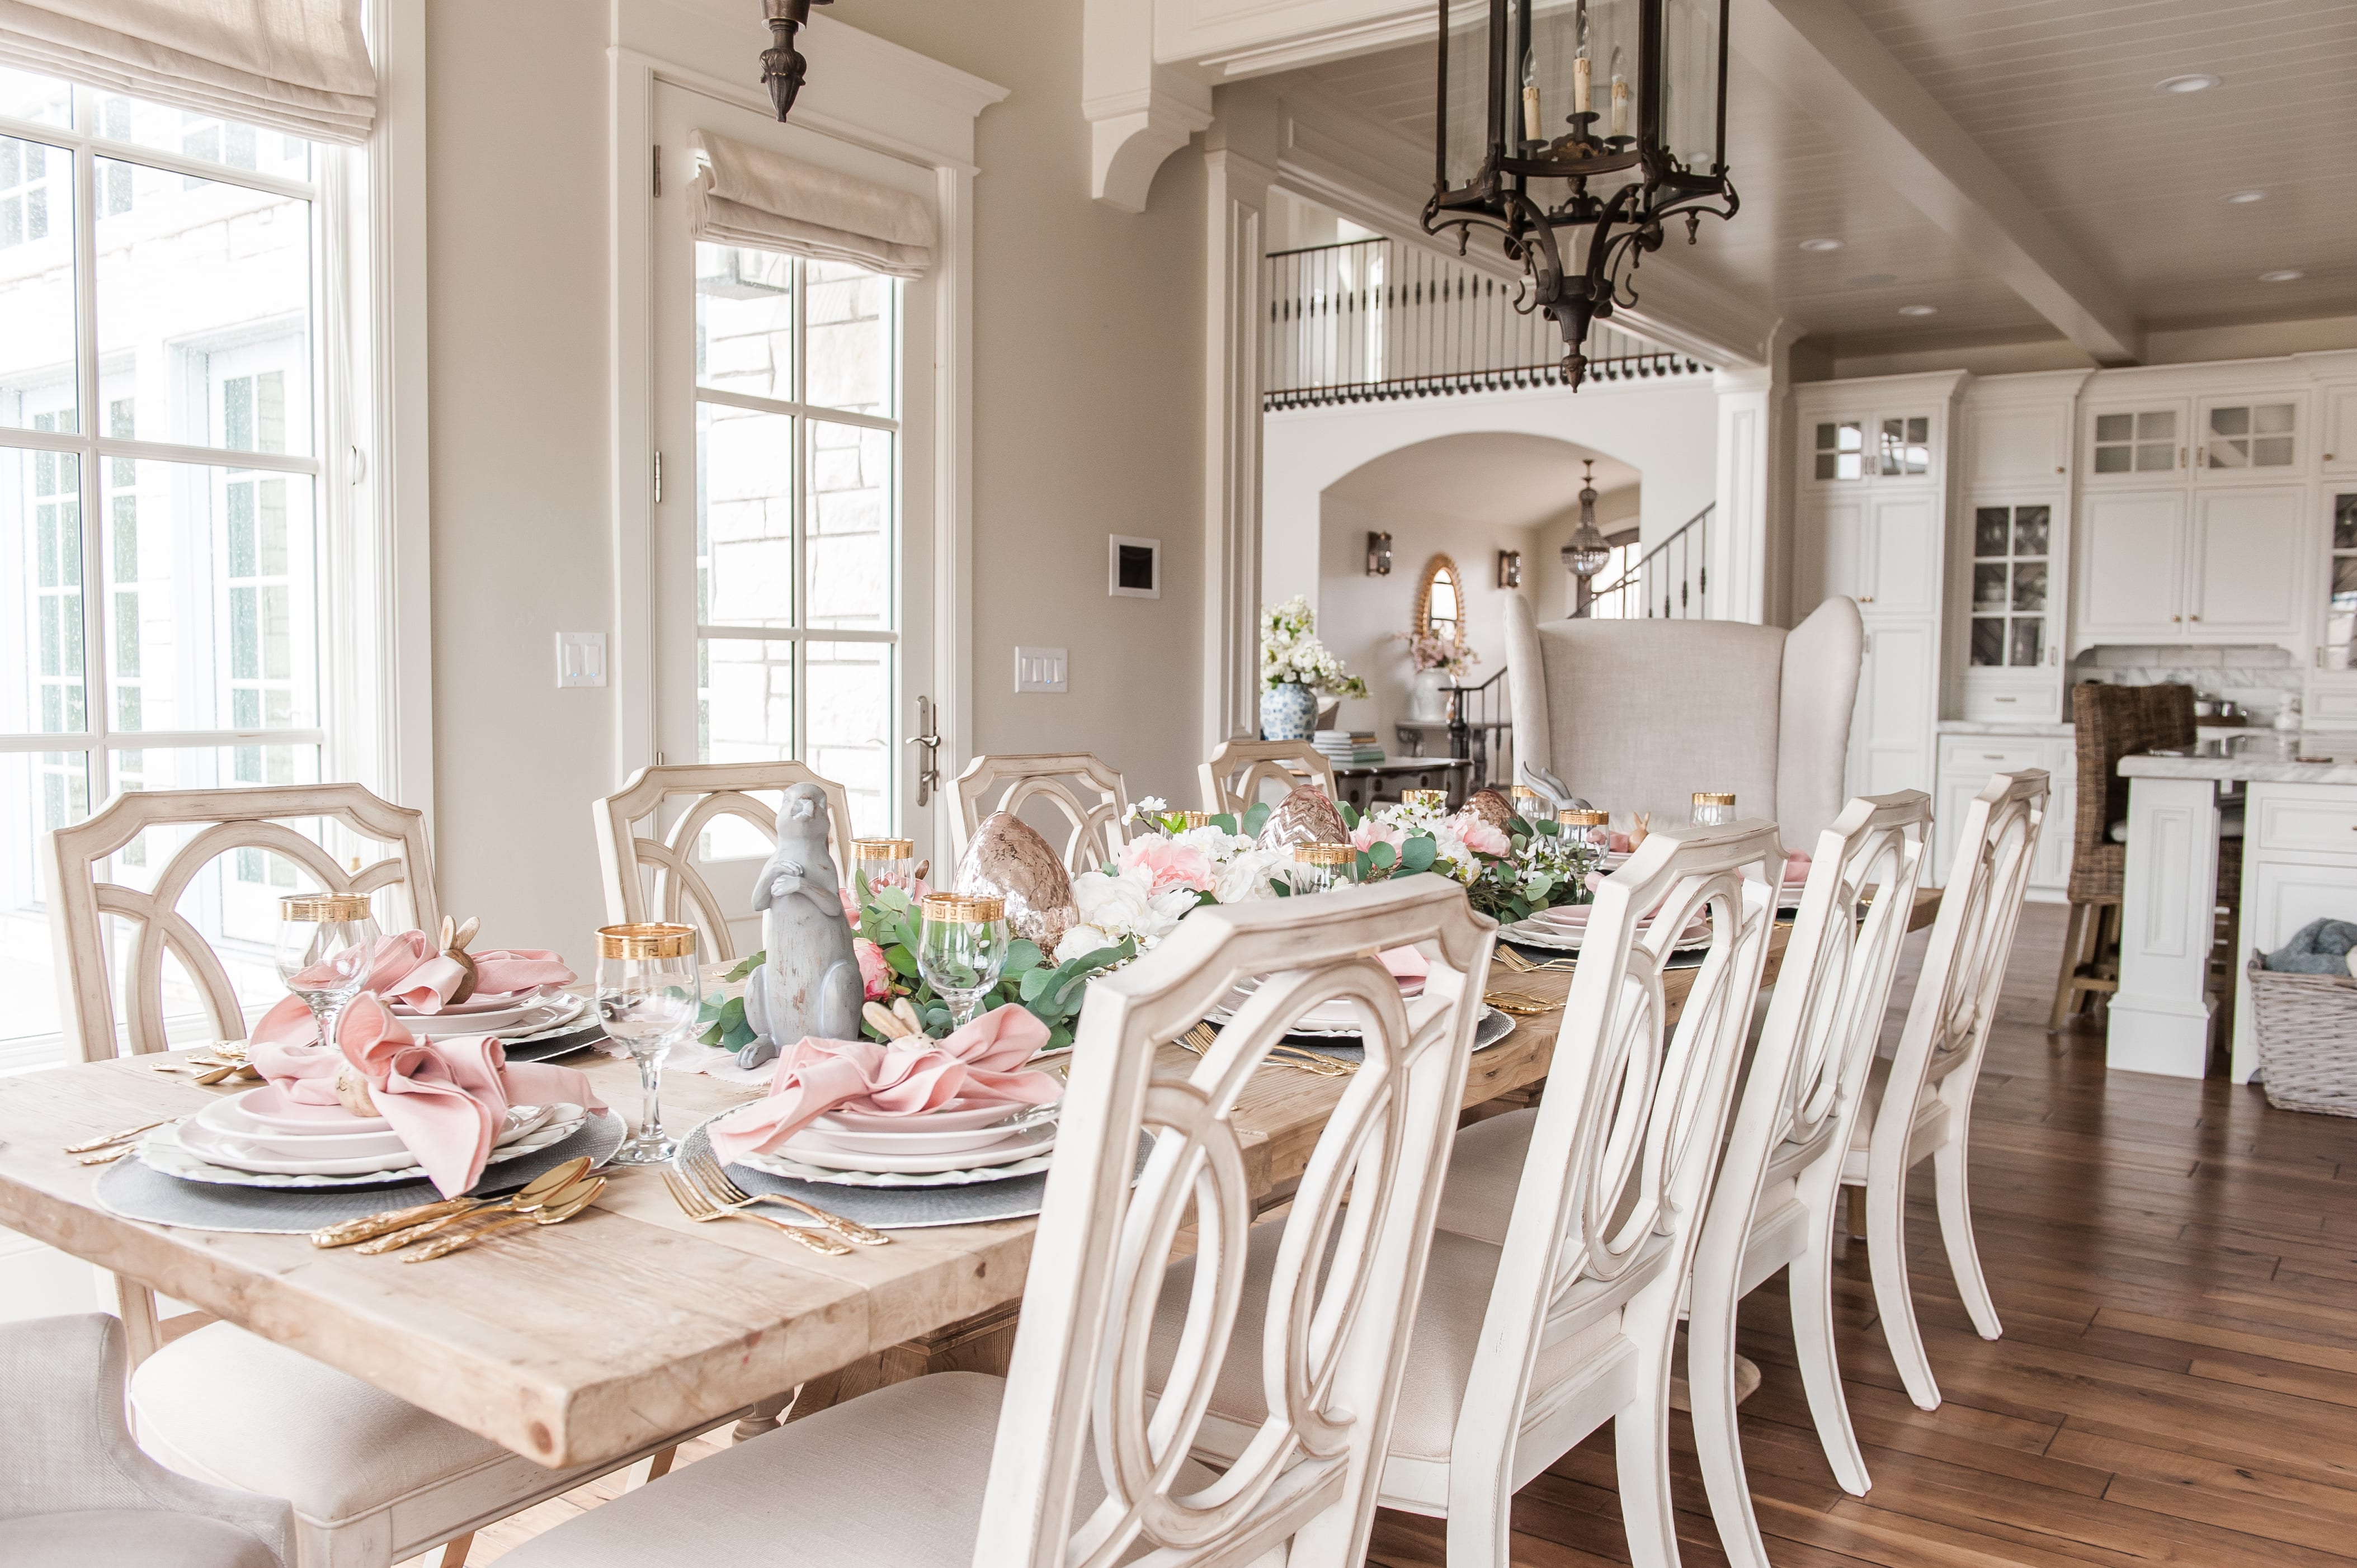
x=2175 y=1267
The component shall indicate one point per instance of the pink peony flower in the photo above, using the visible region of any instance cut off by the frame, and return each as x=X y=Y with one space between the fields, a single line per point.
x=1481 y=837
x=1167 y=862
x=875 y=974
x=1371 y=833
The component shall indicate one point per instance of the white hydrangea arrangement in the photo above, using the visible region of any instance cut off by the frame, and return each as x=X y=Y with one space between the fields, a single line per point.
x=1289 y=650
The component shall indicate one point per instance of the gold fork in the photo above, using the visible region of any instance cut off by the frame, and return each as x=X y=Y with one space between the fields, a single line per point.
x=1513 y=963
x=697 y=1205
x=722 y=1189
x=1520 y=1004
x=1200 y=1040
x=123 y=1137
x=578 y=1199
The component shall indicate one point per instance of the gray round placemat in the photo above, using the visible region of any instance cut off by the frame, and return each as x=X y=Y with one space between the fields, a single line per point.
x=1494 y=1027
x=555 y=1046
x=135 y=1191
x=891 y=1208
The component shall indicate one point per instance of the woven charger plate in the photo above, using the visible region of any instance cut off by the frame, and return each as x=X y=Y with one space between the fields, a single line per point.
x=891 y=1208
x=135 y=1192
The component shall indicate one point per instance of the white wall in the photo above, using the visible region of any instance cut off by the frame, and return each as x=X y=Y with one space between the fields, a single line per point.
x=1087 y=352
x=1668 y=432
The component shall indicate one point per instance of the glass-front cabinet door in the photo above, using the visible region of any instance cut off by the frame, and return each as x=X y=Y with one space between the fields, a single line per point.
x=2340 y=596
x=2011 y=587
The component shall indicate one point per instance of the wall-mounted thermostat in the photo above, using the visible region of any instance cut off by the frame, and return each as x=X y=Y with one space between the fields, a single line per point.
x=1133 y=567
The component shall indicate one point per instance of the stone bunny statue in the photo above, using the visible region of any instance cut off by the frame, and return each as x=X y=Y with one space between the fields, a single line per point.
x=809 y=984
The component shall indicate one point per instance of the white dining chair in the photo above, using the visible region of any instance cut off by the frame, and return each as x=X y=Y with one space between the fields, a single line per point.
x=1779 y=1190
x=1065 y=1463
x=76 y=1492
x=371 y=1478
x=1238 y=772
x=1087 y=793
x=651 y=833
x=1919 y=1101
x=1534 y=1335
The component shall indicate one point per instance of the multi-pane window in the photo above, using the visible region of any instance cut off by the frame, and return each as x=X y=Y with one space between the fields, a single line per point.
x=1841 y=449
x=796 y=508
x=2250 y=436
x=158 y=489
x=1905 y=446
x=2010 y=568
x=2140 y=443
x=2341 y=608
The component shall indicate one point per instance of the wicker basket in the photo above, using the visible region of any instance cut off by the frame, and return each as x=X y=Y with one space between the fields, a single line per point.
x=2306 y=1028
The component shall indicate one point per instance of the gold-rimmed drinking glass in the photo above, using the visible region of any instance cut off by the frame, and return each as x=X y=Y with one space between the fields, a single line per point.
x=1434 y=800
x=1588 y=833
x=884 y=863
x=961 y=950
x=1713 y=808
x=1528 y=804
x=326 y=942
x=1323 y=866
x=648 y=998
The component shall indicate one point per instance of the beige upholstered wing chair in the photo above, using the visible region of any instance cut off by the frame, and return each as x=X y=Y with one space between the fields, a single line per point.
x=1636 y=716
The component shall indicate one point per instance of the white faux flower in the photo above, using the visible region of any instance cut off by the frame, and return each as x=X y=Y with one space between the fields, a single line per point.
x=1163 y=913
x=1247 y=875
x=1082 y=941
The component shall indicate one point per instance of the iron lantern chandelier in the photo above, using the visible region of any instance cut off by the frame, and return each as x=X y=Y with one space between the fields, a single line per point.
x=1586 y=552
x=1634 y=93
x=783 y=67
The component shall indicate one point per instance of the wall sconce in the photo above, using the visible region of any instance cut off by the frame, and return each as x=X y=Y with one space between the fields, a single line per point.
x=1510 y=568
x=1379 y=554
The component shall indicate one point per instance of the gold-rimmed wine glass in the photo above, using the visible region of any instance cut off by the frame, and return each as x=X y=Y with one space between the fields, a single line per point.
x=961 y=950
x=326 y=942
x=648 y=998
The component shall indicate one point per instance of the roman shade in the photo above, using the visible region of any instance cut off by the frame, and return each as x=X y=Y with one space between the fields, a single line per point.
x=292 y=65
x=743 y=195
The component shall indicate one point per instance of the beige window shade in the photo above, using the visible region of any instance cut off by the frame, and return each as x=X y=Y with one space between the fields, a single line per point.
x=292 y=65
x=743 y=195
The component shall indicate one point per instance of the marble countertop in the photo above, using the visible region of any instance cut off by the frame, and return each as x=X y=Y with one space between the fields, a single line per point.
x=2260 y=768
x=2003 y=727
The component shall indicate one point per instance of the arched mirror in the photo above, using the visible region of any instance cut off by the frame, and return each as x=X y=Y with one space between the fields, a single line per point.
x=1440 y=599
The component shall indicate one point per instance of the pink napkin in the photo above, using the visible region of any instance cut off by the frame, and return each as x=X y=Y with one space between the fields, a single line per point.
x=1406 y=963
x=408 y=968
x=980 y=1064
x=445 y=1098
x=1796 y=869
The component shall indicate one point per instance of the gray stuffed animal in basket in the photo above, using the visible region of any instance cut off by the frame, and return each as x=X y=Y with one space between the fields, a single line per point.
x=810 y=982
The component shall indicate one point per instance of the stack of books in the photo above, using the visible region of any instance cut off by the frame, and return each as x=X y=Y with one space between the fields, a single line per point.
x=1346 y=748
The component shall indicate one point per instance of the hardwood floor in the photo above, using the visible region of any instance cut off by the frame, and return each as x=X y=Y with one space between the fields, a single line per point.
x=2176 y=1266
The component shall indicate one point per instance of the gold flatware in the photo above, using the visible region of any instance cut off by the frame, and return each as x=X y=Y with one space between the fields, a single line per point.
x=1200 y=1038
x=707 y=1173
x=697 y=1206
x=1520 y=1004
x=1513 y=963
x=546 y=1190
x=344 y=1233
x=124 y=1137
x=576 y=1199
x=107 y=1158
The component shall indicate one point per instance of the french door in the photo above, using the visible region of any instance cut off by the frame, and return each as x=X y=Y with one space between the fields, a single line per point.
x=792 y=537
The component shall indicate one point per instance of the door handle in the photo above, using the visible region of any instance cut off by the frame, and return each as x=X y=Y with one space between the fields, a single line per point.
x=928 y=736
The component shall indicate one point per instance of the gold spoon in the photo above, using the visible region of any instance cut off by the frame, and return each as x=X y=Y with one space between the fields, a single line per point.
x=575 y=1200
x=370 y=1226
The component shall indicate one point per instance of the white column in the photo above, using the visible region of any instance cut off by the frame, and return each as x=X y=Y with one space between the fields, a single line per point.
x=1738 y=525
x=2160 y=1017
x=1234 y=303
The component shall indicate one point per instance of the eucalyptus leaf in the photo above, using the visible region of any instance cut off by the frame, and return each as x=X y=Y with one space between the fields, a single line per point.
x=1417 y=855
x=1350 y=818
x=1225 y=821
x=1383 y=856
x=1034 y=983
x=1256 y=818
x=751 y=964
x=1023 y=955
x=902 y=960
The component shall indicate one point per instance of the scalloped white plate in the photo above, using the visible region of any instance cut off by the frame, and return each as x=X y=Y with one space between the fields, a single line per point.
x=162 y=1150
x=795 y=1170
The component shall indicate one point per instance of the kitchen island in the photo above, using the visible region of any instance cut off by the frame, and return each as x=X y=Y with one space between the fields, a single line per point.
x=2299 y=864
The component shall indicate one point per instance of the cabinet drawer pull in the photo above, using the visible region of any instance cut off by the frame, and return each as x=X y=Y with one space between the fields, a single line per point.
x=2195 y=617
x=1992 y=757
x=2008 y=699
x=2177 y=617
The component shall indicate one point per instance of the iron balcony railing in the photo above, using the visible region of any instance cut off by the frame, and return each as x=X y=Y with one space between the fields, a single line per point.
x=1375 y=319
x=1671 y=579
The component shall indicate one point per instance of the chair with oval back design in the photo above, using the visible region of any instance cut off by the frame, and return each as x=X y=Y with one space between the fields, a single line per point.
x=1065 y=1463
x=371 y=1478
x=1778 y=1187
x=1066 y=781
x=1237 y=769
x=657 y=878
x=1919 y=1101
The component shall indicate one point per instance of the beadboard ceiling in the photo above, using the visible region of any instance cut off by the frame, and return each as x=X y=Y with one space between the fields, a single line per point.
x=2059 y=95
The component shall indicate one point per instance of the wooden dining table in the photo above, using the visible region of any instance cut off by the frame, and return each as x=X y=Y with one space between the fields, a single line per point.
x=591 y=1340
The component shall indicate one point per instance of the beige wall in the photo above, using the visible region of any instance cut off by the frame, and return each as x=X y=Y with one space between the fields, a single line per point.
x=1087 y=354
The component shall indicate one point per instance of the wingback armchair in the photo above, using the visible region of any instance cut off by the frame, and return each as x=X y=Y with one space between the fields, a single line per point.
x=1636 y=716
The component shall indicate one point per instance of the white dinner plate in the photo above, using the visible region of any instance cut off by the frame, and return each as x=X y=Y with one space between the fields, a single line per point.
x=164 y=1150
x=957 y=1116
x=274 y=1156
x=522 y=1017
x=1003 y=1152
x=1337 y=1017
x=794 y=1170
x=323 y=1139
x=919 y=1136
x=268 y=1107
x=1551 y=929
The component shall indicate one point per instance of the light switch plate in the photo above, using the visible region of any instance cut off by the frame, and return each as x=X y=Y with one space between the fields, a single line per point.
x=1040 y=670
x=580 y=658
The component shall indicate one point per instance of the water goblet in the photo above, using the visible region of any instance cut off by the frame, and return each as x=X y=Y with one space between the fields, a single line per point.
x=884 y=863
x=648 y=997
x=1713 y=808
x=325 y=941
x=1324 y=866
x=1588 y=833
x=961 y=950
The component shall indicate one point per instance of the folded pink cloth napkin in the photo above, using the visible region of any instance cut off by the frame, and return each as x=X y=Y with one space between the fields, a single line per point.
x=980 y=1064
x=447 y=1099
x=1406 y=963
x=408 y=969
x=1796 y=869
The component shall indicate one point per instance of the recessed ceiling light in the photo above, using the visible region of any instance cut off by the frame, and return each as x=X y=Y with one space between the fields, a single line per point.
x=1821 y=245
x=1873 y=280
x=2199 y=81
x=2283 y=274
x=1919 y=310
x=2244 y=197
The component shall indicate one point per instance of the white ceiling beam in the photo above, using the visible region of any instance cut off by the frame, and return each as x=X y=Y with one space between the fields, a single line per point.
x=1825 y=61
x=1139 y=113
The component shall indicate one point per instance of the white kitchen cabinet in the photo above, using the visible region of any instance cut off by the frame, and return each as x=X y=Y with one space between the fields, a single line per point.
x=2137 y=441
x=2299 y=864
x=1903 y=560
x=2249 y=435
x=2130 y=563
x=2244 y=562
x=2337 y=432
x=1897 y=701
x=1967 y=761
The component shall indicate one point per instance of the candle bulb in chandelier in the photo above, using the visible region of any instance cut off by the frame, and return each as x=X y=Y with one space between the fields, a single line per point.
x=1533 y=126
x=1620 y=95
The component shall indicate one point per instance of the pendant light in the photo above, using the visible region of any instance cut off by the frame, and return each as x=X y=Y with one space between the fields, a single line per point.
x=1586 y=552
x=782 y=65
x=1578 y=169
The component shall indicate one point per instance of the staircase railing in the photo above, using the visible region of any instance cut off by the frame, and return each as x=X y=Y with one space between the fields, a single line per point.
x=1671 y=579
x=1374 y=319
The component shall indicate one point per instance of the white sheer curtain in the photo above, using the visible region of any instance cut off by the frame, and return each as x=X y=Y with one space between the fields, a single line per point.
x=292 y=65
x=743 y=195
